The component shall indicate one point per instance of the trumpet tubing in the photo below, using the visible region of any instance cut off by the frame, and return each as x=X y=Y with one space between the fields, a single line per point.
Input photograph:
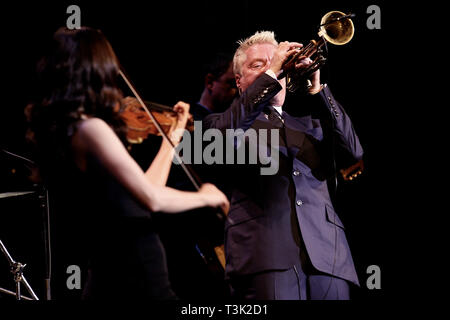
x=337 y=28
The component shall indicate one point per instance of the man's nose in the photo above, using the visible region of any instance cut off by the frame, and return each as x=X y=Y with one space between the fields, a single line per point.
x=267 y=66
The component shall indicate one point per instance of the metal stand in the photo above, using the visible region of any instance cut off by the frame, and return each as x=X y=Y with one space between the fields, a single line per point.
x=42 y=192
x=44 y=204
x=17 y=269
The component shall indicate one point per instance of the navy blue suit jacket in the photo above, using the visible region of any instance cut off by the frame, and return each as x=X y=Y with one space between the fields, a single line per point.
x=270 y=215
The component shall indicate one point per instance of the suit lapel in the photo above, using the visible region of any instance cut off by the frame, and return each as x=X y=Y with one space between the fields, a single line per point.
x=263 y=121
x=292 y=135
x=297 y=128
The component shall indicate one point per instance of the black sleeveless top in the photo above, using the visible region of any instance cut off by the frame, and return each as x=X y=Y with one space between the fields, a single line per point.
x=99 y=226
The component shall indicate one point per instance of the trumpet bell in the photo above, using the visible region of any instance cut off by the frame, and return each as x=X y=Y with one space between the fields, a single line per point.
x=336 y=31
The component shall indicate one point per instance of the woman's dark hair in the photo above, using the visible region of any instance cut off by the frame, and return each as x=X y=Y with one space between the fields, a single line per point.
x=77 y=77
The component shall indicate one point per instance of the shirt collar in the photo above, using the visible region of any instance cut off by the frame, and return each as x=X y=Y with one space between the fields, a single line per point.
x=279 y=109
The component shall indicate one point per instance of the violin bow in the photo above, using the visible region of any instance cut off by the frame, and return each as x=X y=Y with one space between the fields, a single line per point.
x=189 y=171
x=160 y=130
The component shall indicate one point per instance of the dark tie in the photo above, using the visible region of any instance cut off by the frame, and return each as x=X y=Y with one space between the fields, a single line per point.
x=276 y=118
x=277 y=121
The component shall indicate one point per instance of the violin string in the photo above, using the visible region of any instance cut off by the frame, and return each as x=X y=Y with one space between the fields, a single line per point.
x=160 y=130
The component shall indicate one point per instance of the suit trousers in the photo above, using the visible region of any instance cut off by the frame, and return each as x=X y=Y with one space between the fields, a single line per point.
x=290 y=284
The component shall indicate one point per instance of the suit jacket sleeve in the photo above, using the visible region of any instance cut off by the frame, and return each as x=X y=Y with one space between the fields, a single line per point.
x=344 y=134
x=247 y=107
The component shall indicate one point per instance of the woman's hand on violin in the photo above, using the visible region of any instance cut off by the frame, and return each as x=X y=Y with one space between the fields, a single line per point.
x=182 y=110
x=214 y=197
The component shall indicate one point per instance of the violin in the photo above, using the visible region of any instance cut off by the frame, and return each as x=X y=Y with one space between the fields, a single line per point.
x=139 y=123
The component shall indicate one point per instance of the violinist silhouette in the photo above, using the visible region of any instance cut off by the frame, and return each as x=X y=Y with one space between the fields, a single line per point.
x=102 y=202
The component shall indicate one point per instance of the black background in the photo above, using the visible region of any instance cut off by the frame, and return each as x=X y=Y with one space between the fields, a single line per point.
x=162 y=46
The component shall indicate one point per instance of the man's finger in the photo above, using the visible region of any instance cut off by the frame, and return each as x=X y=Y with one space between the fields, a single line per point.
x=297 y=45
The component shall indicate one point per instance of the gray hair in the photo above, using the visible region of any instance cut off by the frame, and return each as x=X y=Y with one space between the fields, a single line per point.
x=244 y=44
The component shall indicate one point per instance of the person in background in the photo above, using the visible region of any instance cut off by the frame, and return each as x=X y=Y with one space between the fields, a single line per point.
x=219 y=88
x=191 y=238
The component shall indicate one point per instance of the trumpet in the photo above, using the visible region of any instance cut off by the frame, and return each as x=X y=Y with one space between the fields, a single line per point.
x=335 y=27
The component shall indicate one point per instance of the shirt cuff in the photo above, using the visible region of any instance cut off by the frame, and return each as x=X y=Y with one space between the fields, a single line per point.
x=271 y=73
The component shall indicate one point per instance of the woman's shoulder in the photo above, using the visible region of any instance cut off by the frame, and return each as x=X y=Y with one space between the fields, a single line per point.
x=90 y=134
x=93 y=129
x=92 y=123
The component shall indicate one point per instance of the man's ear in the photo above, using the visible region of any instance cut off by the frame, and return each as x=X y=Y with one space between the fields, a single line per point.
x=209 y=79
x=238 y=81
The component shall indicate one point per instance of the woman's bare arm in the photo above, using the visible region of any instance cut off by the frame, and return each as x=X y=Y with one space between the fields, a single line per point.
x=159 y=169
x=95 y=137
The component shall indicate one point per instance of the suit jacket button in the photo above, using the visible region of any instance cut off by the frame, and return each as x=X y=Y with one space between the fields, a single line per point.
x=299 y=202
x=296 y=173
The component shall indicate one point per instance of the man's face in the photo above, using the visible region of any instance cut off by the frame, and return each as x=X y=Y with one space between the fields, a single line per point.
x=223 y=90
x=258 y=58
